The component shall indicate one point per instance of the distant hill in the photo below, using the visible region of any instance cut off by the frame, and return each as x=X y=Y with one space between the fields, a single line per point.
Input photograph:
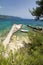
x=9 y=17
x=13 y=18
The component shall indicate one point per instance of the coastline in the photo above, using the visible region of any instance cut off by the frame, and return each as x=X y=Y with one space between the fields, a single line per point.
x=15 y=41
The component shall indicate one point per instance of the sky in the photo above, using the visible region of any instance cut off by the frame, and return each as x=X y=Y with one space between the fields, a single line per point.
x=19 y=8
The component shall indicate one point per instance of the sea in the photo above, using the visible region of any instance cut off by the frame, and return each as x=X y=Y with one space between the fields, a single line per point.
x=6 y=24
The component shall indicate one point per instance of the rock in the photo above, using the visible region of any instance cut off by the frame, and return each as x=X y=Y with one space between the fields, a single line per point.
x=14 y=28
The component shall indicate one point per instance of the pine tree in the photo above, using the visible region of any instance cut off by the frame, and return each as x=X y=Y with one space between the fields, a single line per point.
x=38 y=11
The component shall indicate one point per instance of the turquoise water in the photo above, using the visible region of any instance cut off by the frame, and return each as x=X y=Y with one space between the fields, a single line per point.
x=5 y=25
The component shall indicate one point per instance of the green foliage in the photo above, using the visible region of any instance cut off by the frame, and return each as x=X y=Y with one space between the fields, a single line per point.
x=38 y=12
x=30 y=54
x=36 y=38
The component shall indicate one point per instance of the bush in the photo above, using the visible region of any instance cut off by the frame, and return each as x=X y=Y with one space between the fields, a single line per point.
x=31 y=54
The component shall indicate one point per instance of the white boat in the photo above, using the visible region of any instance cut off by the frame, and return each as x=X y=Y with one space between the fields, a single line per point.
x=24 y=30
